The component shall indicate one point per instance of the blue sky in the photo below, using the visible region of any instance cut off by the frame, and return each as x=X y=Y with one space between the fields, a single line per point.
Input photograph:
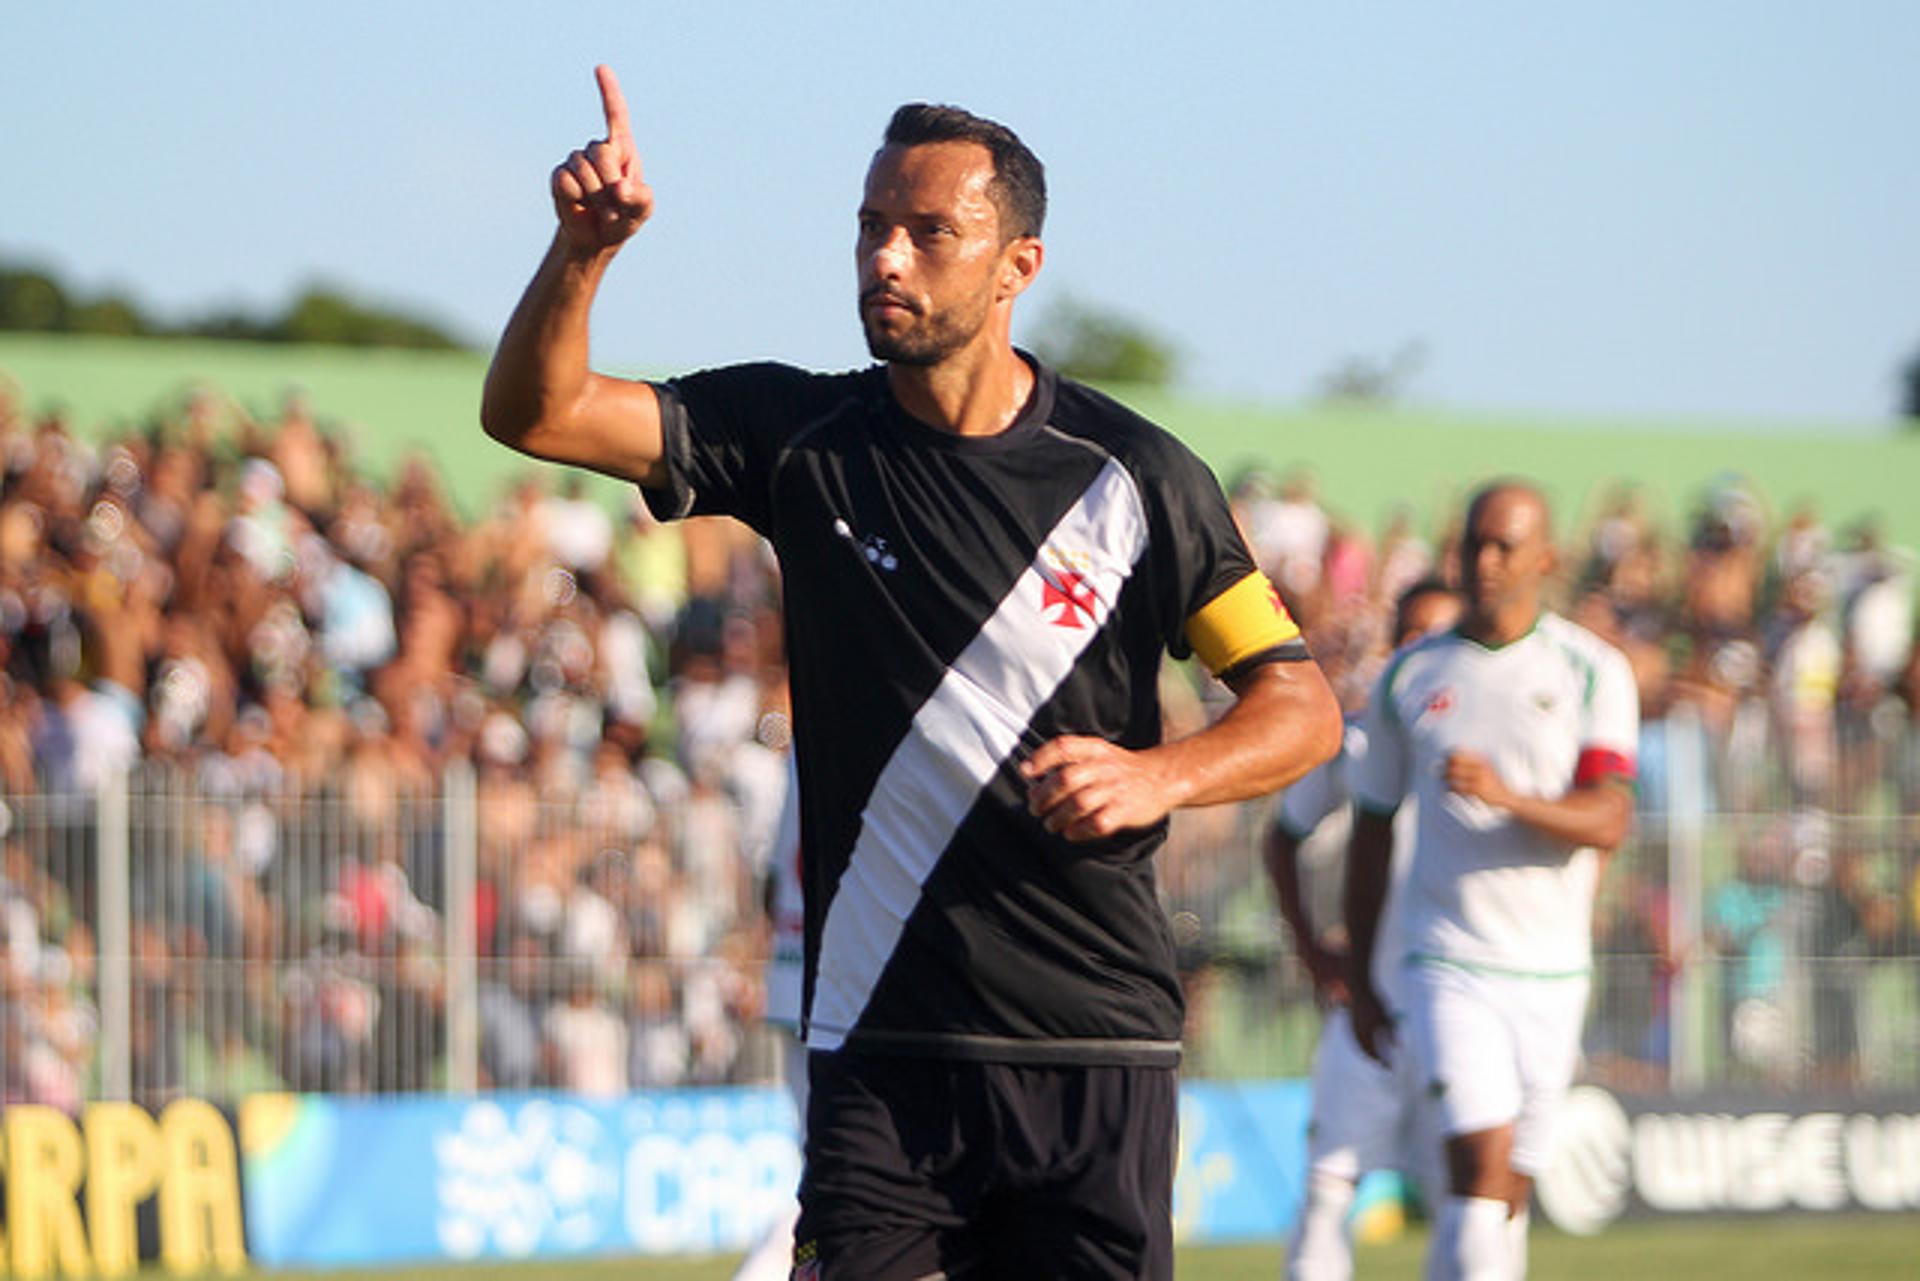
x=1696 y=210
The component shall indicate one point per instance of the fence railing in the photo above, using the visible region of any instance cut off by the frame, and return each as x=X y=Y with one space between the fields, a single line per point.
x=221 y=933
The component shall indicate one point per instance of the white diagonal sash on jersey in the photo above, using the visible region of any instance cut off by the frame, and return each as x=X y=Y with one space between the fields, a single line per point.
x=962 y=733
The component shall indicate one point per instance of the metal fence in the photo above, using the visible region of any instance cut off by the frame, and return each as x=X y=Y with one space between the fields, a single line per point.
x=225 y=932
x=178 y=934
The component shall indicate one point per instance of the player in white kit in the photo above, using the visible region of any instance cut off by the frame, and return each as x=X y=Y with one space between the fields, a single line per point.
x=1364 y=1114
x=1515 y=735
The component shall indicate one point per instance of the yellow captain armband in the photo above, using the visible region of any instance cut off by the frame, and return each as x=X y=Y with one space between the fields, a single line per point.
x=1246 y=620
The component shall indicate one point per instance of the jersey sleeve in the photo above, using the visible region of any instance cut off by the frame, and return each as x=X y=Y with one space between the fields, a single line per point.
x=1228 y=615
x=1381 y=775
x=1610 y=733
x=721 y=431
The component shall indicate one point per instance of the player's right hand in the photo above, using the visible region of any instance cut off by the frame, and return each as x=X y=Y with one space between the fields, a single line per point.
x=598 y=192
x=1372 y=1025
x=1327 y=968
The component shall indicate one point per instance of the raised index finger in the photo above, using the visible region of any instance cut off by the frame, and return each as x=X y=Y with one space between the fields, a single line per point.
x=613 y=102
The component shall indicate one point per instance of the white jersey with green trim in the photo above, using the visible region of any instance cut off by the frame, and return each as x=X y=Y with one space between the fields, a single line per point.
x=1552 y=709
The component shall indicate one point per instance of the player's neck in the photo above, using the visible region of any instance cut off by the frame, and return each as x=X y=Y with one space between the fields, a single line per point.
x=1500 y=626
x=978 y=391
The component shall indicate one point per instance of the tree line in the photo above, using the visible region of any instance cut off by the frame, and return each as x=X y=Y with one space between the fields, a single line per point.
x=1082 y=339
x=36 y=301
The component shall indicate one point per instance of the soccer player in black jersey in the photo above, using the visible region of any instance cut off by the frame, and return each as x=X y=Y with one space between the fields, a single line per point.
x=984 y=565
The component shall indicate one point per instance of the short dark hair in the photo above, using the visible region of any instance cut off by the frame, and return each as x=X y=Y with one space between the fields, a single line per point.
x=1019 y=186
x=1431 y=585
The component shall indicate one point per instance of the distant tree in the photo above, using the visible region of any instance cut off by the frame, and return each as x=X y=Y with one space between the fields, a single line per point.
x=31 y=300
x=1095 y=344
x=34 y=300
x=323 y=315
x=233 y=326
x=1364 y=380
x=108 y=314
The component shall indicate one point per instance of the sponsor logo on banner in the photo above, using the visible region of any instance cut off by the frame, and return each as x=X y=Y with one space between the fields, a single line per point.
x=1586 y=1185
x=542 y=1178
x=117 y=1187
x=1619 y=1157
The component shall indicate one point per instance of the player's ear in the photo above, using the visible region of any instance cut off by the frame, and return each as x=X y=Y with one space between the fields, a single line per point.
x=1019 y=265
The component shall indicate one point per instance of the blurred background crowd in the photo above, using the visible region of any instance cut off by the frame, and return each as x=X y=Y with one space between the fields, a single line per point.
x=392 y=772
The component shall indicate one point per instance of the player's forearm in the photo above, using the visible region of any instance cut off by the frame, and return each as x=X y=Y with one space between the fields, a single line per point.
x=1283 y=871
x=1284 y=722
x=1364 y=894
x=1599 y=815
x=542 y=399
x=539 y=376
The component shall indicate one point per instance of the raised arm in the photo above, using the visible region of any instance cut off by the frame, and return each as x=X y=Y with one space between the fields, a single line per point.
x=1283 y=722
x=540 y=396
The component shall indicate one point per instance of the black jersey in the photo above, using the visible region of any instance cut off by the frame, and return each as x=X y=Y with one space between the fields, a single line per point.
x=952 y=603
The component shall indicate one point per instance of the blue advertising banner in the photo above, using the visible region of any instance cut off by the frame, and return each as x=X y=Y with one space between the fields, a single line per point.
x=331 y=1181
x=1243 y=1159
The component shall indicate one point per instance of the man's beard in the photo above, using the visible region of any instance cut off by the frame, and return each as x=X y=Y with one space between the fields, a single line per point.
x=930 y=339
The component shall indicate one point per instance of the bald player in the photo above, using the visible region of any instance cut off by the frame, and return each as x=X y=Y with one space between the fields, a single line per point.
x=1515 y=735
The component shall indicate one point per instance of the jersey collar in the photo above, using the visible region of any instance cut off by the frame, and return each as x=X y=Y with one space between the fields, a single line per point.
x=1033 y=416
x=1477 y=643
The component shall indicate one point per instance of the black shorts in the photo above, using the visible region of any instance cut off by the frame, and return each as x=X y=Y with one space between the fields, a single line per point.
x=922 y=1168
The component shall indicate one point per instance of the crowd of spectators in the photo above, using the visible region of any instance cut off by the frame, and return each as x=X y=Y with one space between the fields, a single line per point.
x=288 y=658
x=294 y=664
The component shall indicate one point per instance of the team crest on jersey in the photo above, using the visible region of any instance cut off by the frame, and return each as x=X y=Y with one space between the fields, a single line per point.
x=1439 y=703
x=1544 y=702
x=806 y=1262
x=1072 y=596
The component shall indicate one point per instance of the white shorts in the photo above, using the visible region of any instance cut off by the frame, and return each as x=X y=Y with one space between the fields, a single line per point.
x=1494 y=1050
x=1363 y=1114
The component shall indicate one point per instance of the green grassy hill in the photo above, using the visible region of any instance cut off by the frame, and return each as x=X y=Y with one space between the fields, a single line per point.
x=390 y=403
x=393 y=403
